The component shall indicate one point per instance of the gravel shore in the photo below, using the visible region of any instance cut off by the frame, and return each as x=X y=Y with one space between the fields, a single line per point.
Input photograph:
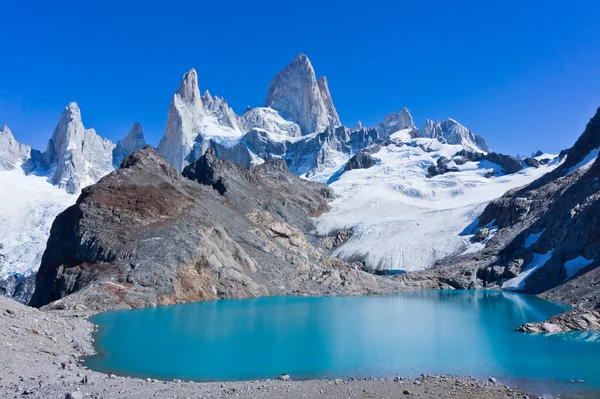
x=41 y=351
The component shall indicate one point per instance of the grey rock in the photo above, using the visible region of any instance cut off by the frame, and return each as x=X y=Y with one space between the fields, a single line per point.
x=297 y=95
x=74 y=395
x=452 y=132
x=12 y=153
x=362 y=160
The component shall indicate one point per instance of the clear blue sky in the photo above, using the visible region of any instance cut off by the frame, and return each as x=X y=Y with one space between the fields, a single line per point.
x=524 y=74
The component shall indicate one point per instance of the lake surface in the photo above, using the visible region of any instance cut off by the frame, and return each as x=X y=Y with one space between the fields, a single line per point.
x=446 y=332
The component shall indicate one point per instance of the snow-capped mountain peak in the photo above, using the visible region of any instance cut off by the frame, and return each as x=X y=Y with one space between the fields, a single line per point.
x=452 y=132
x=76 y=156
x=12 y=153
x=297 y=95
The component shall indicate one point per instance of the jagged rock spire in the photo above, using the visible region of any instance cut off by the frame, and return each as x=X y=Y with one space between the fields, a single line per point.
x=453 y=133
x=131 y=143
x=12 y=153
x=78 y=156
x=297 y=95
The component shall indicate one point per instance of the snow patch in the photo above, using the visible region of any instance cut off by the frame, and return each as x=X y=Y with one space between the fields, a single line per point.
x=573 y=266
x=532 y=238
x=587 y=161
x=518 y=283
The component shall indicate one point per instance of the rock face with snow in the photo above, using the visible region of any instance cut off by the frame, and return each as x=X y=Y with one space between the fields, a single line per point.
x=453 y=132
x=222 y=232
x=12 y=153
x=130 y=144
x=192 y=120
x=399 y=121
x=297 y=95
x=76 y=156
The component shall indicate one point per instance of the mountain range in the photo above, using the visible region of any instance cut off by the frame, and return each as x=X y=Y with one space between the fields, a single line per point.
x=398 y=197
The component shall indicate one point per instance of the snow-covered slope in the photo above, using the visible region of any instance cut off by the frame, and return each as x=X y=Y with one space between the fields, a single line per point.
x=400 y=218
x=29 y=205
x=35 y=188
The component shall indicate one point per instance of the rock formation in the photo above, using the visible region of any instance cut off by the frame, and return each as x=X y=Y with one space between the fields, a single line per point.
x=297 y=95
x=12 y=153
x=146 y=235
x=77 y=156
x=130 y=144
x=453 y=132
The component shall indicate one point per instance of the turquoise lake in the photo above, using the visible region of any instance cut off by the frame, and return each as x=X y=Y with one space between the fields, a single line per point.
x=446 y=332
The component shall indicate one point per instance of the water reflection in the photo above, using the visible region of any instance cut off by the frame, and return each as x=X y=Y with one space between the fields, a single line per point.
x=447 y=332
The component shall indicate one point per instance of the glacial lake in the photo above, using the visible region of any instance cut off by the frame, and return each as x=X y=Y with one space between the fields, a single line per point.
x=446 y=332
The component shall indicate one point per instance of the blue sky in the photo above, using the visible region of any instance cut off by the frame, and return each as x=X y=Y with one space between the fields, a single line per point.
x=524 y=74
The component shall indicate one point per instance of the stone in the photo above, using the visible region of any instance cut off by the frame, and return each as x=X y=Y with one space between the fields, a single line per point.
x=74 y=395
x=284 y=377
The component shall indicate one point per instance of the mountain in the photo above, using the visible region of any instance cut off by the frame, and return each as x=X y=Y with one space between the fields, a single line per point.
x=542 y=238
x=147 y=235
x=36 y=187
x=297 y=95
x=76 y=156
x=396 y=214
x=131 y=143
x=12 y=153
x=191 y=118
x=453 y=132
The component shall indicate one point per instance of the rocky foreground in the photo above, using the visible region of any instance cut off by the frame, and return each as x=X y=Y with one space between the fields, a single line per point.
x=41 y=352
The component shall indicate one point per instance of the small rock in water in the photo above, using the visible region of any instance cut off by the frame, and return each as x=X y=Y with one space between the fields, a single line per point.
x=284 y=377
x=492 y=380
x=74 y=395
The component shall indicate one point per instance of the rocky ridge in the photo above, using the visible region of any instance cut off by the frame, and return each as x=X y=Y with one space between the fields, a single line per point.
x=146 y=235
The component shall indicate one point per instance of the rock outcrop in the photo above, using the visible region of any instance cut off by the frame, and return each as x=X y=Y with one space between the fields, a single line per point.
x=297 y=95
x=146 y=235
x=76 y=156
x=452 y=132
x=399 y=121
x=12 y=153
x=130 y=144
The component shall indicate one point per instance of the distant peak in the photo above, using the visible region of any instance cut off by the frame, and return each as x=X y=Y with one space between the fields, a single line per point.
x=301 y=58
x=5 y=130
x=323 y=80
x=136 y=129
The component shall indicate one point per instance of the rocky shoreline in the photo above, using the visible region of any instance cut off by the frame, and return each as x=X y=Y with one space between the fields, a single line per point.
x=42 y=352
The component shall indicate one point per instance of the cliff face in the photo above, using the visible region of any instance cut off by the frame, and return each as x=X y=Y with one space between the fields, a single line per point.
x=297 y=95
x=146 y=235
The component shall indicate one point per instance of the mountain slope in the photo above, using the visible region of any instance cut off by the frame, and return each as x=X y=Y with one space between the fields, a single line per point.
x=400 y=217
x=146 y=235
